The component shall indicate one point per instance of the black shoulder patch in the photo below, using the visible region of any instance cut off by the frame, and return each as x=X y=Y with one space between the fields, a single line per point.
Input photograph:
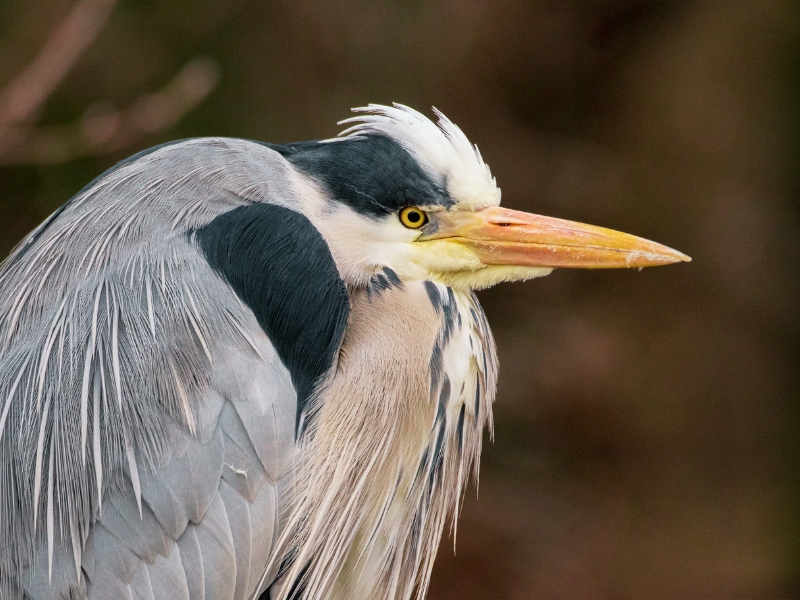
x=372 y=173
x=280 y=266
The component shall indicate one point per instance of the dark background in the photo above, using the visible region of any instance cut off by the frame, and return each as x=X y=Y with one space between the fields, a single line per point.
x=647 y=423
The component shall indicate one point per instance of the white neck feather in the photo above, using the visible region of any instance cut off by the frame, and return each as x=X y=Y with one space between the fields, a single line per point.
x=388 y=456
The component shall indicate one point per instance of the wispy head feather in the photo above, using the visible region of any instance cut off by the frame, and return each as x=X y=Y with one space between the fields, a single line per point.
x=441 y=148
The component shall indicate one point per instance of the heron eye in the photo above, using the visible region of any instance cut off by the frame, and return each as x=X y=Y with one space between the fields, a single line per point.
x=412 y=217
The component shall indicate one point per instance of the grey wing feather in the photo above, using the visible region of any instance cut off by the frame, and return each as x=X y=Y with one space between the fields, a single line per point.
x=168 y=577
x=141 y=587
x=264 y=419
x=166 y=507
x=144 y=416
x=143 y=533
x=193 y=478
x=107 y=584
x=242 y=469
x=264 y=514
x=242 y=531
x=219 y=558
x=192 y=561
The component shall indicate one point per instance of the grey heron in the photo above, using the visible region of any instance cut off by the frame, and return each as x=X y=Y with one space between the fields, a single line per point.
x=232 y=369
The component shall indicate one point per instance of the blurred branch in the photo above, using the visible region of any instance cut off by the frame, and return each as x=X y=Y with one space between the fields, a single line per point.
x=28 y=91
x=103 y=128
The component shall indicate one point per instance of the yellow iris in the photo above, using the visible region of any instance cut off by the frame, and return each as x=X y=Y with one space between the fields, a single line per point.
x=412 y=217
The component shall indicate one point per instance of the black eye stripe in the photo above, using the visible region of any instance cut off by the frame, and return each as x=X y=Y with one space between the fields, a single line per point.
x=371 y=173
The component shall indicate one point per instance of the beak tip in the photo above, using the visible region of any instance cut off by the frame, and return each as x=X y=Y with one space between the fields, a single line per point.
x=661 y=256
x=681 y=257
x=666 y=255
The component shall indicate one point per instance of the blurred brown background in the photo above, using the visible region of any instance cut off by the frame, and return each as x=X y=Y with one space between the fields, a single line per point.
x=647 y=423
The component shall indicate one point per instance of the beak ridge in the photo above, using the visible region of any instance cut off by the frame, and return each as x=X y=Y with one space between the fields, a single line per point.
x=500 y=236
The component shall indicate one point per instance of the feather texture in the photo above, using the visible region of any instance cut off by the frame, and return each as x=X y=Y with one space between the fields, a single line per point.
x=119 y=349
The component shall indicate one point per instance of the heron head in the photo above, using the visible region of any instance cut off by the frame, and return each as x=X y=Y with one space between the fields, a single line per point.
x=403 y=192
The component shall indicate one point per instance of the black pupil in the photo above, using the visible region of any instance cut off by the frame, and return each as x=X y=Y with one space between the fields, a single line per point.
x=413 y=216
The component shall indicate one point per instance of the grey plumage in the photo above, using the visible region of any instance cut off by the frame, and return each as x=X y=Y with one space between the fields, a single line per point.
x=120 y=349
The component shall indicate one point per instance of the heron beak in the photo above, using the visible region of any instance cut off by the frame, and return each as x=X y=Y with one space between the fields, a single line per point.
x=499 y=236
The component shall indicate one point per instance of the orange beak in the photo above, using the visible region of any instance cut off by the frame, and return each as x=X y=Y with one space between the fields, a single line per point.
x=499 y=236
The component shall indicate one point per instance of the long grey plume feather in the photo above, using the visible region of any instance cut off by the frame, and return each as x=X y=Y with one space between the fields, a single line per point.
x=50 y=508
x=115 y=349
x=9 y=397
x=151 y=317
x=134 y=471
x=96 y=446
x=87 y=371
x=37 y=474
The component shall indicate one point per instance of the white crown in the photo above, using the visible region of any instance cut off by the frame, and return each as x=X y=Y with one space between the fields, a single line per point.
x=442 y=150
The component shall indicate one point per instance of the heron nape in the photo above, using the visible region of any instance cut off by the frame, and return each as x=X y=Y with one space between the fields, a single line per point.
x=233 y=369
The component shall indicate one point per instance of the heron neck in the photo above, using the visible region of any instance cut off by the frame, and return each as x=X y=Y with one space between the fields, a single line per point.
x=397 y=433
